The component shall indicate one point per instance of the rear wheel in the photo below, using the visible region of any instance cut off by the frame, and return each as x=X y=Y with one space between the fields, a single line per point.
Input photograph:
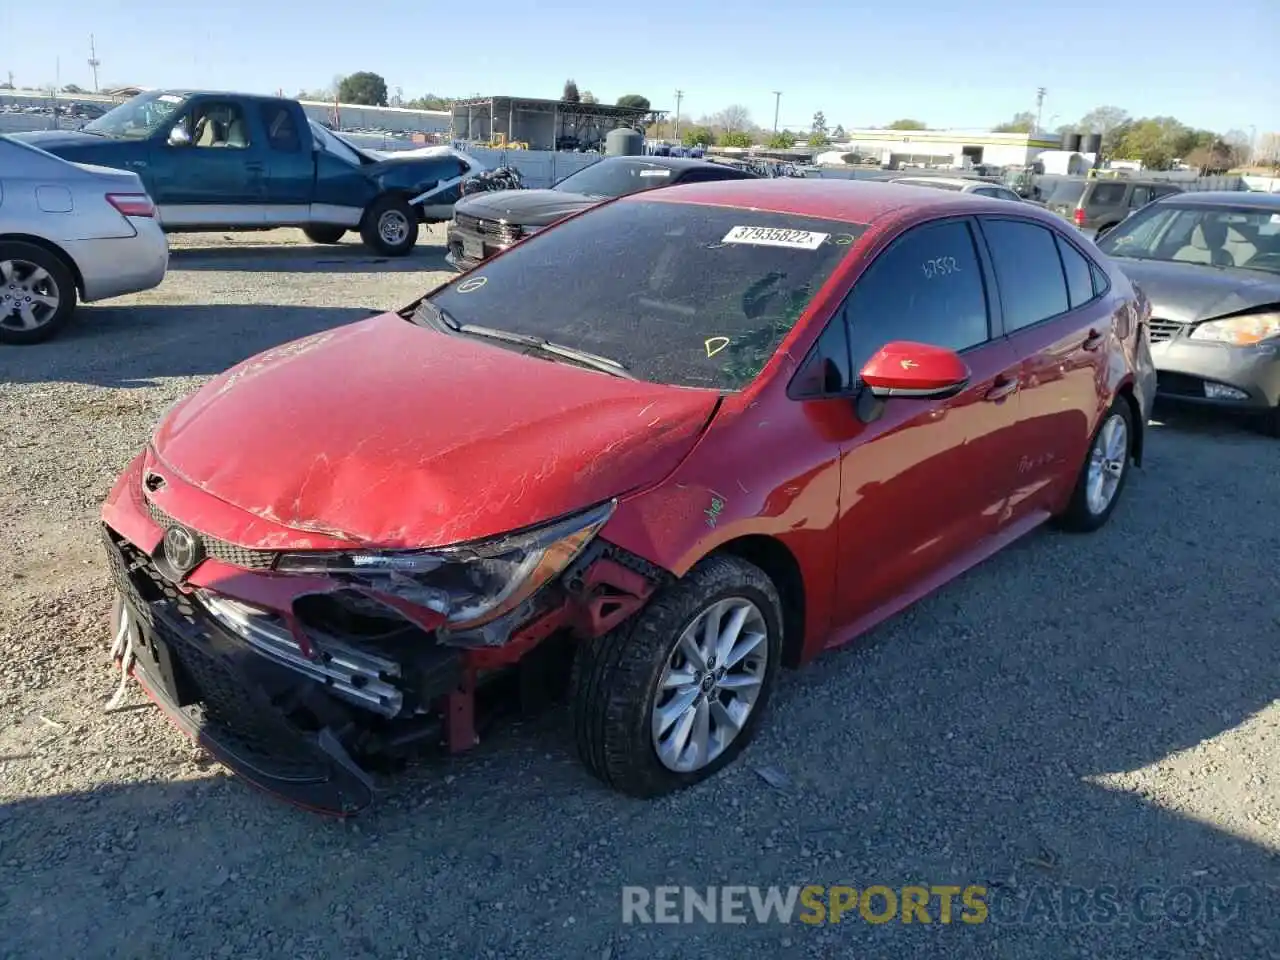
x=675 y=694
x=390 y=226
x=1104 y=472
x=324 y=233
x=37 y=293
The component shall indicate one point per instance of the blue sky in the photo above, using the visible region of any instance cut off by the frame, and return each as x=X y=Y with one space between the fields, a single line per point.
x=942 y=61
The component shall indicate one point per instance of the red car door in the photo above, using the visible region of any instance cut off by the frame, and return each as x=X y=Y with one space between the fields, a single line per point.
x=1058 y=317
x=923 y=486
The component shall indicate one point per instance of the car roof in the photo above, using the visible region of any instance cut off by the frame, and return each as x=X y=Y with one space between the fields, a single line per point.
x=1226 y=198
x=216 y=93
x=671 y=163
x=953 y=181
x=850 y=201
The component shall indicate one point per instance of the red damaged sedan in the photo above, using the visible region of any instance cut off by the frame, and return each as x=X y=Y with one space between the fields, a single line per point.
x=689 y=437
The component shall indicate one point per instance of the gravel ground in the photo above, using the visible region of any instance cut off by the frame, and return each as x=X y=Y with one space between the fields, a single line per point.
x=1078 y=712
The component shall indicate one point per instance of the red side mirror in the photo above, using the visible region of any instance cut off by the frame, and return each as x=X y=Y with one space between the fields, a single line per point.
x=906 y=369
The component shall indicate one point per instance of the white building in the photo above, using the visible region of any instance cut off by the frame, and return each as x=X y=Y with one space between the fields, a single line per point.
x=954 y=148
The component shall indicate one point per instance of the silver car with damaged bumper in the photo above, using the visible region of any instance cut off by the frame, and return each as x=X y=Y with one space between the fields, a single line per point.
x=68 y=231
x=1210 y=264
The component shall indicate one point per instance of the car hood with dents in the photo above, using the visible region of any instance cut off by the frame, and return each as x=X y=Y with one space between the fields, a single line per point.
x=526 y=208
x=1191 y=292
x=384 y=433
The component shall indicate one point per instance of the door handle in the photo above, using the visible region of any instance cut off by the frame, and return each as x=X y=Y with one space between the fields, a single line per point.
x=1093 y=341
x=1002 y=387
x=254 y=166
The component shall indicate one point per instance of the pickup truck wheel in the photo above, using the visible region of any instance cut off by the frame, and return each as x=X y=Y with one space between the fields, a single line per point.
x=323 y=233
x=390 y=227
x=37 y=293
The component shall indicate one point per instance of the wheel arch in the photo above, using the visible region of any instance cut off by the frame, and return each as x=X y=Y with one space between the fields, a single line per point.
x=781 y=566
x=1139 y=428
x=52 y=248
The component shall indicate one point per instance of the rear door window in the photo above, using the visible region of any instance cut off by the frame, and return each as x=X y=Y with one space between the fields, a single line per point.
x=1028 y=271
x=1140 y=197
x=1106 y=195
x=926 y=287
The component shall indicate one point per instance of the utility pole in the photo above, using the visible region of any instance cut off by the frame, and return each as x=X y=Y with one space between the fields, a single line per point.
x=676 y=133
x=777 y=102
x=1040 y=92
x=94 y=63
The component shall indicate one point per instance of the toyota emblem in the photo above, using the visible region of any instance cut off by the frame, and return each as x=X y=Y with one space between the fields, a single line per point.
x=181 y=549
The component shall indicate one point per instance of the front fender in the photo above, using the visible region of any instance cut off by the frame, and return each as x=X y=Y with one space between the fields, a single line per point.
x=767 y=470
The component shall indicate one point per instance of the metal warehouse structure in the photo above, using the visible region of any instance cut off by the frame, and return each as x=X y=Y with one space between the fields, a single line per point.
x=895 y=148
x=543 y=124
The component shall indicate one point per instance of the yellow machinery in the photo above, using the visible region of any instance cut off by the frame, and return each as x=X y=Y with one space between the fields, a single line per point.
x=499 y=142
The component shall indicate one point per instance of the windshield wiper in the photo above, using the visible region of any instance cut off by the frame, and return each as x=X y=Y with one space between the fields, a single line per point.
x=547 y=348
x=434 y=316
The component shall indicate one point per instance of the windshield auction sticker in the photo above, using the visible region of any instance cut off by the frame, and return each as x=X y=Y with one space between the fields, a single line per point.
x=776 y=237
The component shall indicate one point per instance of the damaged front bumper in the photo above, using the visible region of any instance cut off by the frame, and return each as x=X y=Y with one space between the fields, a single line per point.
x=296 y=681
x=293 y=725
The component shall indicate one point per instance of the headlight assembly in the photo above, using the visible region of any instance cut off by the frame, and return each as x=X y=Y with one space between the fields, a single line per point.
x=470 y=584
x=1241 y=331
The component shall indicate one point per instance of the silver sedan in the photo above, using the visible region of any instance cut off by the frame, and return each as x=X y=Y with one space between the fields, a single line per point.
x=68 y=230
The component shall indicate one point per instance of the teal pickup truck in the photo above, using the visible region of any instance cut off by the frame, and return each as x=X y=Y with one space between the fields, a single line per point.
x=232 y=161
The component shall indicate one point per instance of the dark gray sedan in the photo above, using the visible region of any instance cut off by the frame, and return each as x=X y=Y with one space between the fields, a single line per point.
x=487 y=223
x=1210 y=264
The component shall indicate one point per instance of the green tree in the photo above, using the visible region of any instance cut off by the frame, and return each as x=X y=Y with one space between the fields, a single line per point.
x=633 y=100
x=782 y=141
x=1024 y=122
x=589 y=97
x=698 y=137
x=430 y=102
x=570 y=93
x=365 y=88
x=838 y=133
x=820 y=123
x=908 y=124
x=818 y=139
x=735 y=138
x=1156 y=141
x=72 y=88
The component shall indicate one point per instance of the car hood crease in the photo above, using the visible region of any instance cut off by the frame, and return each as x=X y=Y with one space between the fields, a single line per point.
x=390 y=434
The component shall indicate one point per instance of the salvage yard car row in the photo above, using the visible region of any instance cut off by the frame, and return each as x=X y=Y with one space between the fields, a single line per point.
x=718 y=451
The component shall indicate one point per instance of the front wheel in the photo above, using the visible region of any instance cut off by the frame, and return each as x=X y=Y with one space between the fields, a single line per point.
x=390 y=227
x=1104 y=471
x=675 y=694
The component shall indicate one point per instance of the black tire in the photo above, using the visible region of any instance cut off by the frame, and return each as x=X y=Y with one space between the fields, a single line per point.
x=1080 y=517
x=1271 y=422
x=60 y=282
x=377 y=231
x=324 y=233
x=615 y=678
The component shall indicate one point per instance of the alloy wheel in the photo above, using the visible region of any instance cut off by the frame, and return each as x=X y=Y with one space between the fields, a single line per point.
x=29 y=295
x=1107 y=463
x=710 y=684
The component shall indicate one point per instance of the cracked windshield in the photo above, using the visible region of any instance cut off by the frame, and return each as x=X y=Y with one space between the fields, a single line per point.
x=678 y=293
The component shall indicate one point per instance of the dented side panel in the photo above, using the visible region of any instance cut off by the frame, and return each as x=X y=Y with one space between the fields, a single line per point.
x=767 y=466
